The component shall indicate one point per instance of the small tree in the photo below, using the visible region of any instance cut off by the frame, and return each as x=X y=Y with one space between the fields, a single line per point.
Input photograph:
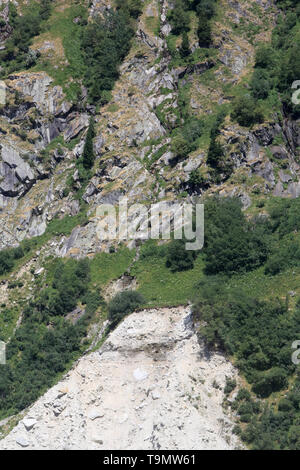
x=88 y=150
x=204 y=32
x=123 y=304
x=179 y=18
x=180 y=146
x=135 y=8
x=196 y=179
x=178 y=258
x=185 y=45
x=260 y=84
x=246 y=111
x=215 y=154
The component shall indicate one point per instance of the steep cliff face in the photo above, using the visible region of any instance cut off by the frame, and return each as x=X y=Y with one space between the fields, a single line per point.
x=43 y=133
x=153 y=378
x=152 y=385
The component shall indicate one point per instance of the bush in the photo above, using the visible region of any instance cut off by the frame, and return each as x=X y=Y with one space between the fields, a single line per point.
x=215 y=154
x=134 y=7
x=204 y=32
x=206 y=8
x=196 y=179
x=6 y=262
x=178 y=258
x=180 y=146
x=246 y=111
x=243 y=394
x=185 y=46
x=105 y=43
x=260 y=84
x=192 y=130
x=273 y=381
x=88 y=155
x=179 y=18
x=152 y=250
x=231 y=243
x=264 y=57
x=230 y=385
x=123 y=304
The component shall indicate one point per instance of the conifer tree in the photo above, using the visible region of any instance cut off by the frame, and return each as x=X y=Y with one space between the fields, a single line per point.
x=185 y=45
x=204 y=32
x=88 y=150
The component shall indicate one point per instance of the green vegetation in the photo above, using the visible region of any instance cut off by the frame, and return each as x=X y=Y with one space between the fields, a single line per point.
x=93 y=50
x=108 y=266
x=8 y=258
x=46 y=343
x=178 y=258
x=185 y=45
x=233 y=300
x=276 y=429
x=122 y=304
x=216 y=157
x=159 y=285
x=243 y=309
x=179 y=18
x=254 y=322
x=246 y=111
x=196 y=180
x=257 y=333
x=66 y=26
x=88 y=156
x=205 y=10
x=17 y=55
x=11 y=258
x=105 y=43
x=232 y=244
x=277 y=66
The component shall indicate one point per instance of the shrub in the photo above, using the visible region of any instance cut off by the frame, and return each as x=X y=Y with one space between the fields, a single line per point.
x=215 y=154
x=204 y=32
x=206 y=8
x=178 y=258
x=264 y=57
x=230 y=385
x=88 y=155
x=179 y=18
x=260 y=84
x=123 y=304
x=246 y=111
x=231 y=243
x=185 y=45
x=196 y=179
x=180 y=146
x=273 y=381
x=152 y=250
x=192 y=130
x=105 y=43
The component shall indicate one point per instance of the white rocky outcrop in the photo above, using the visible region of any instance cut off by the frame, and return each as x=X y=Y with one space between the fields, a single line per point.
x=152 y=385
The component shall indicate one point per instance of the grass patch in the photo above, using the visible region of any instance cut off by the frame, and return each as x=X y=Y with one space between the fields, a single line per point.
x=108 y=266
x=69 y=70
x=160 y=287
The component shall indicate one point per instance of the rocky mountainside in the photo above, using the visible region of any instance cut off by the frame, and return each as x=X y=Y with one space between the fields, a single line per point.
x=196 y=103
x=42 y=132
x=152 y=385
